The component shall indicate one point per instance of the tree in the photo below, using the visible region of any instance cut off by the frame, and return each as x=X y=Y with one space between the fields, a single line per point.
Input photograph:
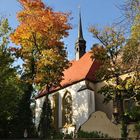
x=23 y=119
x=129 y=9
x=112 y=57
x=10 y=86
x=108 y=54
x=40 y=35
x=131 y=57
x=46 y=115
x=42 y=50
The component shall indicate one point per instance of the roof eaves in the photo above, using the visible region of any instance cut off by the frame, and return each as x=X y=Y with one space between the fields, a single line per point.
x=61 y=87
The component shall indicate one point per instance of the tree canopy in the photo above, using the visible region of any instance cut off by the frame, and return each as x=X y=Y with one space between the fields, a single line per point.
x=120 y=63
x=10 y=85
x=40 y=35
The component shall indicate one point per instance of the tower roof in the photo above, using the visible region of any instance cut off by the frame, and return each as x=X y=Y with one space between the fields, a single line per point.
x=80 y=45
x=80 y=32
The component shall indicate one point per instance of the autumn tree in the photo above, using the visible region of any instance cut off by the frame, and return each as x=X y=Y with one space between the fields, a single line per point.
x=39 y=35
x=119 y=56
x=10 y=85
x=110 y=56
x=131 y=56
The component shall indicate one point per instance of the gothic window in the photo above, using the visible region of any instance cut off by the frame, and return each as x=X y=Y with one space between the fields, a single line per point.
x=67 y=109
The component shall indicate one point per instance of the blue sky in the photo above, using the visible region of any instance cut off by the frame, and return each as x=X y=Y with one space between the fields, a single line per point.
x=94 y=12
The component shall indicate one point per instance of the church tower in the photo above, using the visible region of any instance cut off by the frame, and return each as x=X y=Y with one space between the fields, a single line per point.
x=80 y=45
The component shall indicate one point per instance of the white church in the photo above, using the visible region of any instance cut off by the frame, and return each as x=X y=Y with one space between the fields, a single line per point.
x=76 y=104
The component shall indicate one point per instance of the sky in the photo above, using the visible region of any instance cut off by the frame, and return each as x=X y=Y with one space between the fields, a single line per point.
x=93 y=12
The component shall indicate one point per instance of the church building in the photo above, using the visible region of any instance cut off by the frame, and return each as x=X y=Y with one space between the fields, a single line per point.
x=76 y=104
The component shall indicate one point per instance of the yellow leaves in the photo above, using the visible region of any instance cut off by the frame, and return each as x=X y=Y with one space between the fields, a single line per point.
x=50 y=66
x=135 y=29
x=109 y=36
x=40 y=35
x=132 y=49
x=46 y=58
x=112 y=41
x=119 y=87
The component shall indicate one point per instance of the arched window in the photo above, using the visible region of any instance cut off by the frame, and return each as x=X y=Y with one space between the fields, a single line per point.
x=77 y=49
x=67 y=109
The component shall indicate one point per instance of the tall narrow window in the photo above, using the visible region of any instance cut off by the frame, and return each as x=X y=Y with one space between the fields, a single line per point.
x=67 y=109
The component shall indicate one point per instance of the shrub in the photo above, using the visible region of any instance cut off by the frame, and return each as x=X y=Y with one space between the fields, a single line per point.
x=93 y=134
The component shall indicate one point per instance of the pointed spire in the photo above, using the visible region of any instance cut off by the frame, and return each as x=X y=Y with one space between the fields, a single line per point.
x=80 y=45
x=80 y=32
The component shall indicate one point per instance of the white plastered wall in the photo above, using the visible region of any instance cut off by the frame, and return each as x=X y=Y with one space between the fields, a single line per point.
x=83 y=103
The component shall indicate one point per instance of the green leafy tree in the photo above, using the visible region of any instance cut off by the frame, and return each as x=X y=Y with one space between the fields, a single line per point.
x=23 y=117
x=10 y=86
x=46 y=116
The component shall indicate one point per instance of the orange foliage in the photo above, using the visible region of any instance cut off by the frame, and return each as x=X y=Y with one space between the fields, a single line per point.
x=40 y=35
x=37 y=22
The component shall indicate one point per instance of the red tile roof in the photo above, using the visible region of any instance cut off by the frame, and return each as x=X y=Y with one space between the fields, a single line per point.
x=83 y=69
